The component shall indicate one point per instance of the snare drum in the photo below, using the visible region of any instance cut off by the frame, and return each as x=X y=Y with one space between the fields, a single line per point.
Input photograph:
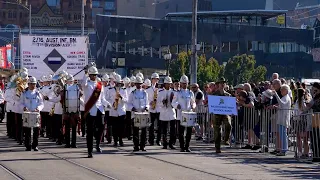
x=31 y=119
x=141 y=119
x=72 y=99
x=188 y=119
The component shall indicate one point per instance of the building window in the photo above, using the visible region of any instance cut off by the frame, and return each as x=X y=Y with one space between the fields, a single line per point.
x=107 y=13
x=75 y=17
x=95 y=4
x=109 y=6
x=10 y=14
x=14 y=14
x=142 y=3
x=85 y=16
x=79 y=16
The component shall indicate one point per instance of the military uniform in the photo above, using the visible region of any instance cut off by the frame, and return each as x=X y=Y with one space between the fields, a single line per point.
x=219 y=119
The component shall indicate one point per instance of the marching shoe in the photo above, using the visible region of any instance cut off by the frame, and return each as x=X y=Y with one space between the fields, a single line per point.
x=171 y=146
x=143 y=149
x=218 y=151
x=67 y=146
x=99 y=150
x=36 y=149
x=90 y=155
x=159 y=143
x=188 y=150
x=121 y=143
x=73 y=146
x=182 y=150
x=115 y=144
x=164 y=147
x=136 y=149
x=28 y=149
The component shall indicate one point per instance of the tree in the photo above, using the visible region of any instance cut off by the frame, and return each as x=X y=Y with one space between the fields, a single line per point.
x=241 y=69
x=259 y=74
x=179 y=66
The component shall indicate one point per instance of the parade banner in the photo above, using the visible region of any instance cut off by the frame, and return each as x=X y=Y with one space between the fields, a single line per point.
x=222 y=105
x=43 y=55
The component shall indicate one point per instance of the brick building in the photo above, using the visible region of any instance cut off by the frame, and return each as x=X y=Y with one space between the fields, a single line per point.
x=46 y=13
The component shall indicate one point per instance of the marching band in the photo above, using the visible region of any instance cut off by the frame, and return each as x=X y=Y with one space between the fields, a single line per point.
x=111 y=107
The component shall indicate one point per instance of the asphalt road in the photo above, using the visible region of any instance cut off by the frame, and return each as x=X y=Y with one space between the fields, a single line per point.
x=55 y=162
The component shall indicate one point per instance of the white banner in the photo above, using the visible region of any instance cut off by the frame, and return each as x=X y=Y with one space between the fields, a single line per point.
x=222 y=105
x=43 y=55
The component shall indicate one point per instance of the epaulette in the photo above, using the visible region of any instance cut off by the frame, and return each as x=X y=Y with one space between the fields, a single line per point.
x=160 y=90
x=110 y=87
x=133 y=91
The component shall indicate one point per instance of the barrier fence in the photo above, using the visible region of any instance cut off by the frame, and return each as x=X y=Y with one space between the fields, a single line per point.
x=275 y=131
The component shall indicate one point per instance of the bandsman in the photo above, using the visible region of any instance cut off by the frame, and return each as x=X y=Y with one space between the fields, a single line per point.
x=10 y=109
x=45 y=118
x=154 y=113
x=107 y=131
x=138 y=102
x=184 y=100
x=128 y=124
x=118 y=99
x=94 y=108
x=31 y=101
x=167 y=113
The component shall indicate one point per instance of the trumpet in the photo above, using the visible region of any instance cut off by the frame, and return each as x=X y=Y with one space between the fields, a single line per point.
x=154 y=102
x=116 y=101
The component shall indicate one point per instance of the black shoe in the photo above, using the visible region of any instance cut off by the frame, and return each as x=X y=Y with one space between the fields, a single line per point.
x=35 y=149
x=164 y=147
x=53 y=140
x=143 y=149
x=83 y=135
x=182 y=150
x=99 y=150
x=159 y=143
x=109 y=142
x=255 y=148
x=130 y=138
x=275 y=152
x=218 y=151
x=247 y=147
x=67 y=146
x=20 y=143
x=59 y=143
x=121 y=143
x=135 y=149
x=90 y=155
x=171 y=147
x=151 y=143
x=115 y=144
x=28 y=149
x=74 y=146
x=188 y=150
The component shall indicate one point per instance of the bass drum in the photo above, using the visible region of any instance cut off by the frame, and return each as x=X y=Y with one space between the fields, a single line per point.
x=72 y=98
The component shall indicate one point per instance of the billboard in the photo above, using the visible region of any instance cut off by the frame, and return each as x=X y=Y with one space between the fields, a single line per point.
x=3 y=57
x=43 y=55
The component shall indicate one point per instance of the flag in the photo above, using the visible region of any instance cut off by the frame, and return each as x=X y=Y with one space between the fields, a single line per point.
x=54 y=60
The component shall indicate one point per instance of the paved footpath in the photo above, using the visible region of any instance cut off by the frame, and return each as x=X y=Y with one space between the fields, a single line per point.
x=54 y=162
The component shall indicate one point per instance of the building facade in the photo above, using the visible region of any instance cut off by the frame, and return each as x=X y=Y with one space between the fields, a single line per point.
x=130 y=42
x=46 y=14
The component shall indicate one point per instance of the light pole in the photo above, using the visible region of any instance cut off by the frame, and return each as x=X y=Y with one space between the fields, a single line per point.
x=26 y=7
x=82 y=18
x=194 y=62
x=113 y=62
x=168 y=57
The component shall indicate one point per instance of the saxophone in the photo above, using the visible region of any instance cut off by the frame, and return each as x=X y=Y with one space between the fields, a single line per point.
x=20 y=86
x=116 y=101
x=154 y=102
x=51 y=113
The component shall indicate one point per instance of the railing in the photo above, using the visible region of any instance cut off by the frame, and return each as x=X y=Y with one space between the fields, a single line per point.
x=278 y=131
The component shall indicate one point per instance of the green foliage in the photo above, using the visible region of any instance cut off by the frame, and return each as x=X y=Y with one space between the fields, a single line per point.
x=239 y=69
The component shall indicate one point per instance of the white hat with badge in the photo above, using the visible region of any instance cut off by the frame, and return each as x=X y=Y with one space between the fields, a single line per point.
x=167 y=80
x=32 y=80
x=139 y=80
x=147 y=82
x=184 y=79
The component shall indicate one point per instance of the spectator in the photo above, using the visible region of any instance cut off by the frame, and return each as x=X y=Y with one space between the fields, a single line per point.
x=293 y=89
x=274 y=76
x=315 y=106
x=198 y=94
x=283 y=119
x=301 y=124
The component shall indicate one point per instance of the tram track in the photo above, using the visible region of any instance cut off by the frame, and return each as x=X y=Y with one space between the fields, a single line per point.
x=11 y=172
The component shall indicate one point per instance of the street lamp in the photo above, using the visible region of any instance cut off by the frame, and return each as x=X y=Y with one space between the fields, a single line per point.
x=168 y=57
x=113 y=62
x=26 y=7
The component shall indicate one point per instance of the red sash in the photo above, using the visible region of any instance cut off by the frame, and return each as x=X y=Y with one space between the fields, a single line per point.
x=93 y=99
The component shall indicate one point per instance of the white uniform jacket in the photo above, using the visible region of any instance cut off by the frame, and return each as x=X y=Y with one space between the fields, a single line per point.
x=57 y=105
x=107 y=96
x=9 y=98
x=186 y=99
x=18 y=107
x=88 y=87
x=139 y=100
x=167 y=112
x=128 y=91
x=151 y=90
x=32 y=100
x=121 y=110
x=46 y=91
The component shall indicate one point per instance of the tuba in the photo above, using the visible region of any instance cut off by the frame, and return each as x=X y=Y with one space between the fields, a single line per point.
x=19 y=81
x=116 y=101
x=59 y=80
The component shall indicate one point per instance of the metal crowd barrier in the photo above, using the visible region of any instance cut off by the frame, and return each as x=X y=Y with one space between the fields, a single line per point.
x=278 y=131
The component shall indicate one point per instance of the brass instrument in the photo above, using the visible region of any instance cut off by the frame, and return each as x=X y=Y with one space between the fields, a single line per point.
x=51 y=113
x=154 y=102
x=116 y=101
x=19 y=82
